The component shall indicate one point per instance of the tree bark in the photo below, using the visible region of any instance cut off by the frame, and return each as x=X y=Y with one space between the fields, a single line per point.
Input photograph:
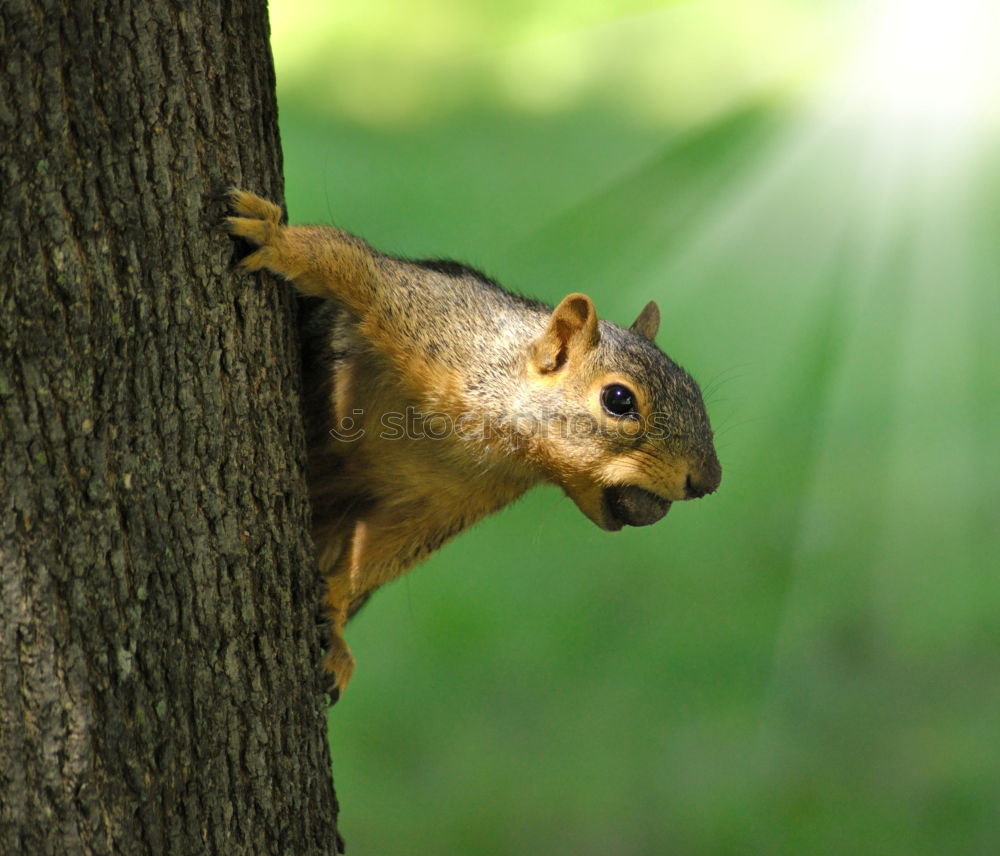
x=159 y=647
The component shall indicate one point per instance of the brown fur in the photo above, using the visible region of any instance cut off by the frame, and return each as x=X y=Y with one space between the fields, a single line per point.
x=524 y=381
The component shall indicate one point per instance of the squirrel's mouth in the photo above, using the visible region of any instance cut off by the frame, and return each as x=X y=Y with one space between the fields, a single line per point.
x=628 y=505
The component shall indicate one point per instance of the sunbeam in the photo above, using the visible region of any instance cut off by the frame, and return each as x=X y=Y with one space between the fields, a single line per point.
x=925 y=67
x=886 y=566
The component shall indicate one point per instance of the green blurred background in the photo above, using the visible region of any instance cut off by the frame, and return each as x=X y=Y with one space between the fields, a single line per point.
x=807 y=662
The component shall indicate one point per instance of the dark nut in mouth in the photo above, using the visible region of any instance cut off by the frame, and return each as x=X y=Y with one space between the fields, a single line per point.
x=634 y=506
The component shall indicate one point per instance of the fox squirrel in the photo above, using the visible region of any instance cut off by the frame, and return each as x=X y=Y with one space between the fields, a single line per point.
x=435 y=398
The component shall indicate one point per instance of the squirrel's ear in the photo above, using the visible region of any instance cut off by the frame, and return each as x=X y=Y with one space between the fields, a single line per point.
x=571 y=331
x=648 y=321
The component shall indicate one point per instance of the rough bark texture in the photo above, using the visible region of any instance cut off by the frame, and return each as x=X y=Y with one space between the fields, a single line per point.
x=159 y=687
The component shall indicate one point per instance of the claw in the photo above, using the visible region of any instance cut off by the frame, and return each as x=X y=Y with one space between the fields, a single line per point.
x=219 y=194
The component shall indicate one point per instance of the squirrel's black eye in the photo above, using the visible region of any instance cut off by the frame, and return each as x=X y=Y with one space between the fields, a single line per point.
x=619 y=400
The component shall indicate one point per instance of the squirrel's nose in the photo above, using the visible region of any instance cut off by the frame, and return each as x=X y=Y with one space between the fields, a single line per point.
x=703 y=481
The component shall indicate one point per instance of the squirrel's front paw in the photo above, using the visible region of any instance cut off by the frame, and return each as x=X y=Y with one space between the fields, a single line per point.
x=259 y=222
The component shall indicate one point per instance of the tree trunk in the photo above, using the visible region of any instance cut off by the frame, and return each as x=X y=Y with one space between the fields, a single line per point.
x=159 y=647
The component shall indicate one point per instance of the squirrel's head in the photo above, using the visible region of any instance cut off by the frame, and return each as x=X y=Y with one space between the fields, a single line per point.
x=631 y=434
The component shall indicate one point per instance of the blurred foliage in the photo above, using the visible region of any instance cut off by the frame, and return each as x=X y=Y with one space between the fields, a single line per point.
x=806 y=662
x=412 y=61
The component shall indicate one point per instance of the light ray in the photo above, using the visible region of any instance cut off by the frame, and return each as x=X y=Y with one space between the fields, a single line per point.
x=924 y=67
x=915 y=104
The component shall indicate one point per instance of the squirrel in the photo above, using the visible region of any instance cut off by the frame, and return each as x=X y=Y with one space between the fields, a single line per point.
x=435 y=397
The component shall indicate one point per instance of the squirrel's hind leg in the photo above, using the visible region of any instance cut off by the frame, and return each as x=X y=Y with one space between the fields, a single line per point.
x=339 y=662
